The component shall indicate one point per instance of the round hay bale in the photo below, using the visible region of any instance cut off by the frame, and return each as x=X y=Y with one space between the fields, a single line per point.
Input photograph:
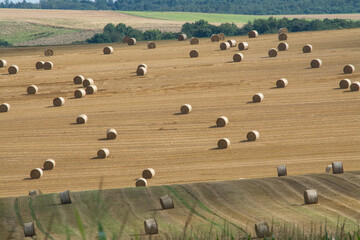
x=92 y=89
x=32 y=89
x=131 y=41
x=182 y=37
x=111 y=133
x=259 y=97
x=125 y=39
x=194 y=53
x=215 y=38
x=337 y=167
x=262 y=230
x=243 y=46
x=3 y=63
x=253 y=135
x=349 y=68
x=310 y=196
x=49 y=164
x=283 y=46
x=272 y=52
x=253 y=34
x=148 y=173
x=39 y=65
x=281 y=169
x=59 y=101
x=151 y=45
x=79 y=79
x=224 y=46
x=151 y=226
x=316 y=63
x=81 y=119
x=79 y=93
x=87 y=82
x=282 y=37
x=328 y=168
x=141 y=182
x=281 y=83
x=103 y=153
x=141 y=71
x=48 y=65
x=307 y=48
x=194 y=41
x=345 y=83
x=35 y=192
x=283 y=30
x=108 y=50
x=65 y=197
x=166 y=202
x=36 y=173
x=222 y=121
x=142 y=65
x=238 y=57
x=223 y=143
x=185 y=109
x=232 y=42
x=221 y=36
x=13 y=69
x=355 y=86
x=5 y=107
x=29 y=229
x=49 y=52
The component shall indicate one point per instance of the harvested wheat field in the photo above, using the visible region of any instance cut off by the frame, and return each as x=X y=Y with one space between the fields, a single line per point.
x=306 y=125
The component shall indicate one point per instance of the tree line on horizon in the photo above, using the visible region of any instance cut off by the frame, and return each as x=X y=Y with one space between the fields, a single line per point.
x=248 y=7
x=202 y=28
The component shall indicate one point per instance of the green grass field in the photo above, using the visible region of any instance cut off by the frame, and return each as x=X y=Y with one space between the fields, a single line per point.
x=191 y=17
x=17 y=32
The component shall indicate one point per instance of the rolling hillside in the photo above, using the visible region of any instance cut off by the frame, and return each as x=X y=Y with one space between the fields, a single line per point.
x=209 y=209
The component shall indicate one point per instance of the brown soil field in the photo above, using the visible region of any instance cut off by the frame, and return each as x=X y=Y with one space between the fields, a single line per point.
x=306 y=125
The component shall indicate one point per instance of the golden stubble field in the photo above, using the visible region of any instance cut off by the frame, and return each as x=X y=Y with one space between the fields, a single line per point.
x=306 y=125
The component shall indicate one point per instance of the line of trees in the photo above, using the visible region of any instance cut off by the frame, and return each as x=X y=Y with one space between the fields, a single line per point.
x=249 y=7
x=202 y=28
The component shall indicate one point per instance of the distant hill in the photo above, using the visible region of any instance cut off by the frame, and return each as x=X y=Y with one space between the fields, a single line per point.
x=248 y=7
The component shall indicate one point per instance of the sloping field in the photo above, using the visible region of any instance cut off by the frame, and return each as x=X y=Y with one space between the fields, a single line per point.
x=306 y=126
x=208 y=208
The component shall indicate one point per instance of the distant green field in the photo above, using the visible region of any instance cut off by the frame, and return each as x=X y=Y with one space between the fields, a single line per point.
x=191 y=17
x=17 y=32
